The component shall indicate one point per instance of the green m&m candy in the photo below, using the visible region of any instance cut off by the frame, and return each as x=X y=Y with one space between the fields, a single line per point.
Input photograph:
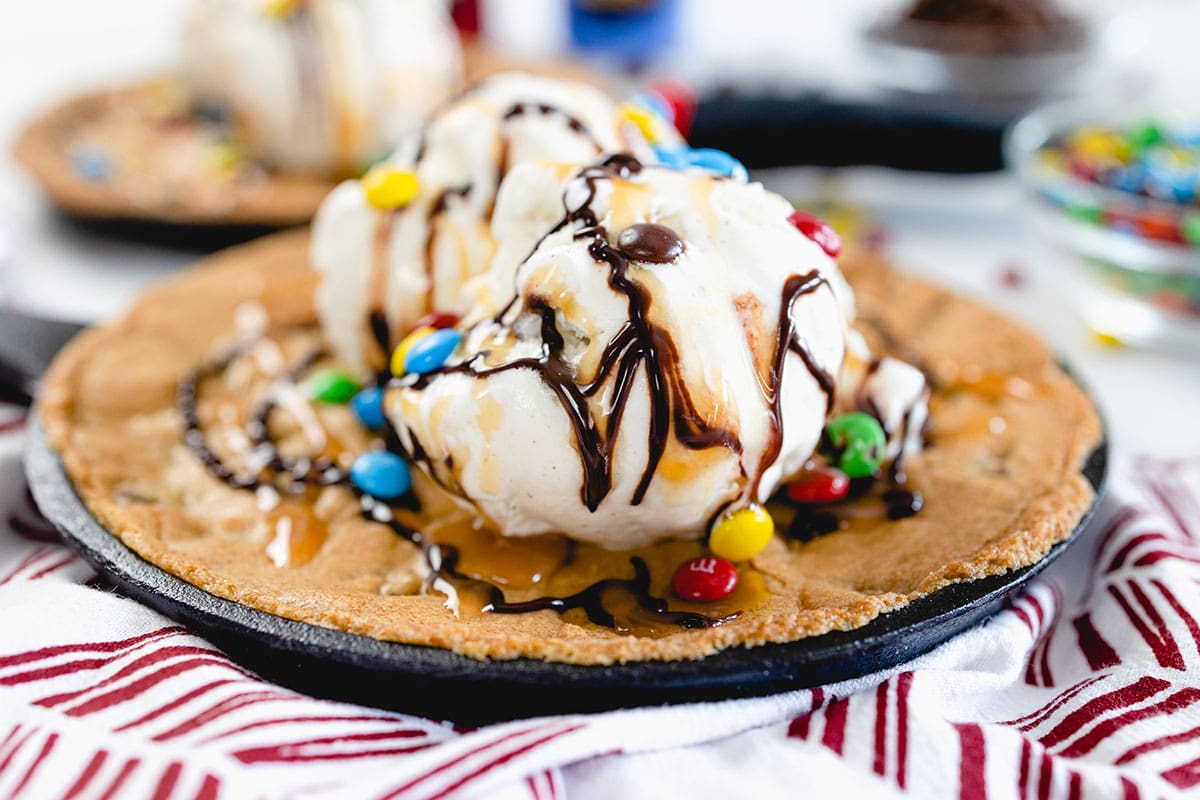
x=1145 y=135
x=1189 y=227
x=331 y=386
x=1084 y=212
x=860 y=441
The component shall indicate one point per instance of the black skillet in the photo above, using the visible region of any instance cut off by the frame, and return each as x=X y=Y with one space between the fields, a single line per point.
x=760 y=130
x=439 y=683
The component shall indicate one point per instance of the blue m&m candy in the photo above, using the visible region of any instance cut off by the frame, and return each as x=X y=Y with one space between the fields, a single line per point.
x=707 y=158
x=1130 y=178
x=1172 y=173
x=672 y=157
x=91 y=163
x=431 y=351
x=381 y=474
x=368 y=407
x=717 y=161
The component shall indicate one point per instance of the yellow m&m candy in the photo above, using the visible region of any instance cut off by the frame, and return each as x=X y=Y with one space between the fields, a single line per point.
x=280 y=9
x=742 y=535
x=387 y=187
x=1098 y=145
x=225 y=160
x=652 y=126
x=400 y=354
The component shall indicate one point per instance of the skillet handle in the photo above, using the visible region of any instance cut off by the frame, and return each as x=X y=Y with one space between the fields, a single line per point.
x=27 y=346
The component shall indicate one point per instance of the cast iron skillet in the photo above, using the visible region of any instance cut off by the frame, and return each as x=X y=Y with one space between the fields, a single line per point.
x=442 y=684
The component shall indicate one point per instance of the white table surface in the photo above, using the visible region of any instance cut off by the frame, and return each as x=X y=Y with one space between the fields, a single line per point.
x=960 y=231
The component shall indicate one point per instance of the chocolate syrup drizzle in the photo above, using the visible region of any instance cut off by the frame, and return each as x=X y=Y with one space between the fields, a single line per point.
x=591 y=598
x=193 y=435
x=442 y=560
x=301 y=472
x=442 y=201
x=545 y=110
x=639 y=343
x=787 y=341
x=542 y=109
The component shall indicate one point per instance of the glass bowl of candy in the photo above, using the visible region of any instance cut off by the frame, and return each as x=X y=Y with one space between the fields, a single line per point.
x=992 y=59
x=1121 y=194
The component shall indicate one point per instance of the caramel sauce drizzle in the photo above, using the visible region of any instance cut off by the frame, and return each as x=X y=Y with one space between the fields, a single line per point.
x=626 y=605
x=602 y=601
x=297 y=534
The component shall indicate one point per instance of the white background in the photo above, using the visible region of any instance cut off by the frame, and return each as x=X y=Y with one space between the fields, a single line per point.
x=961 y=231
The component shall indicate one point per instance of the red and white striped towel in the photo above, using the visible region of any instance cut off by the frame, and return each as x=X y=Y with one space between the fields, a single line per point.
x=1087 y=686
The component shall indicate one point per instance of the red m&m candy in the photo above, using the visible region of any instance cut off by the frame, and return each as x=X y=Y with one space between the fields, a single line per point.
x=1159 y=225
x=819 y=486
x=437 y=320
x=681 y=102
x=704 y=579
x=819 y=231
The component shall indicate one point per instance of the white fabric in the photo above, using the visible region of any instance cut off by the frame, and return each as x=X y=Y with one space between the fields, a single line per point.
x=98 y=692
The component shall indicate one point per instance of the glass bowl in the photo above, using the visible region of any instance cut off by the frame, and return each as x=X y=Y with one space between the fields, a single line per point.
x=1133 y=236
x=960 y=70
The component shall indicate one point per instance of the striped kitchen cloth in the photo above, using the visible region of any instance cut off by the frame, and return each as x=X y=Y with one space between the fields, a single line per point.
x=1087 y=685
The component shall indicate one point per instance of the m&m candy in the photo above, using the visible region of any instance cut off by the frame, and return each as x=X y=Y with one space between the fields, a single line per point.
x=400 y=354
x=1145 y=160
x=1093 y=144
x=717 y=161
x=705 y=158
x=742 y=535
x=672 y=157
x=820 y=485
x=656 y=103
x=224 y=159
x=431 y=351
x=1189 y=227
x=704 y=579
x=91 y=163
x=651 y=125
x=1087 y=212
x=1172 y=173
x=381 y=474
x=437 y=320
x=680 y=100
x=280 y=9
x=331 y=386
x=1144 y=135
x=816 y=229
x=387 y=187
x=859 y=442
x=368 y=407
x=1158 y=225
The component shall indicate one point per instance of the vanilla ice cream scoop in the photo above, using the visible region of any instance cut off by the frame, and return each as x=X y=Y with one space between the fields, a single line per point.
x=321 y=86
x=383 y=269
x=669 y=351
